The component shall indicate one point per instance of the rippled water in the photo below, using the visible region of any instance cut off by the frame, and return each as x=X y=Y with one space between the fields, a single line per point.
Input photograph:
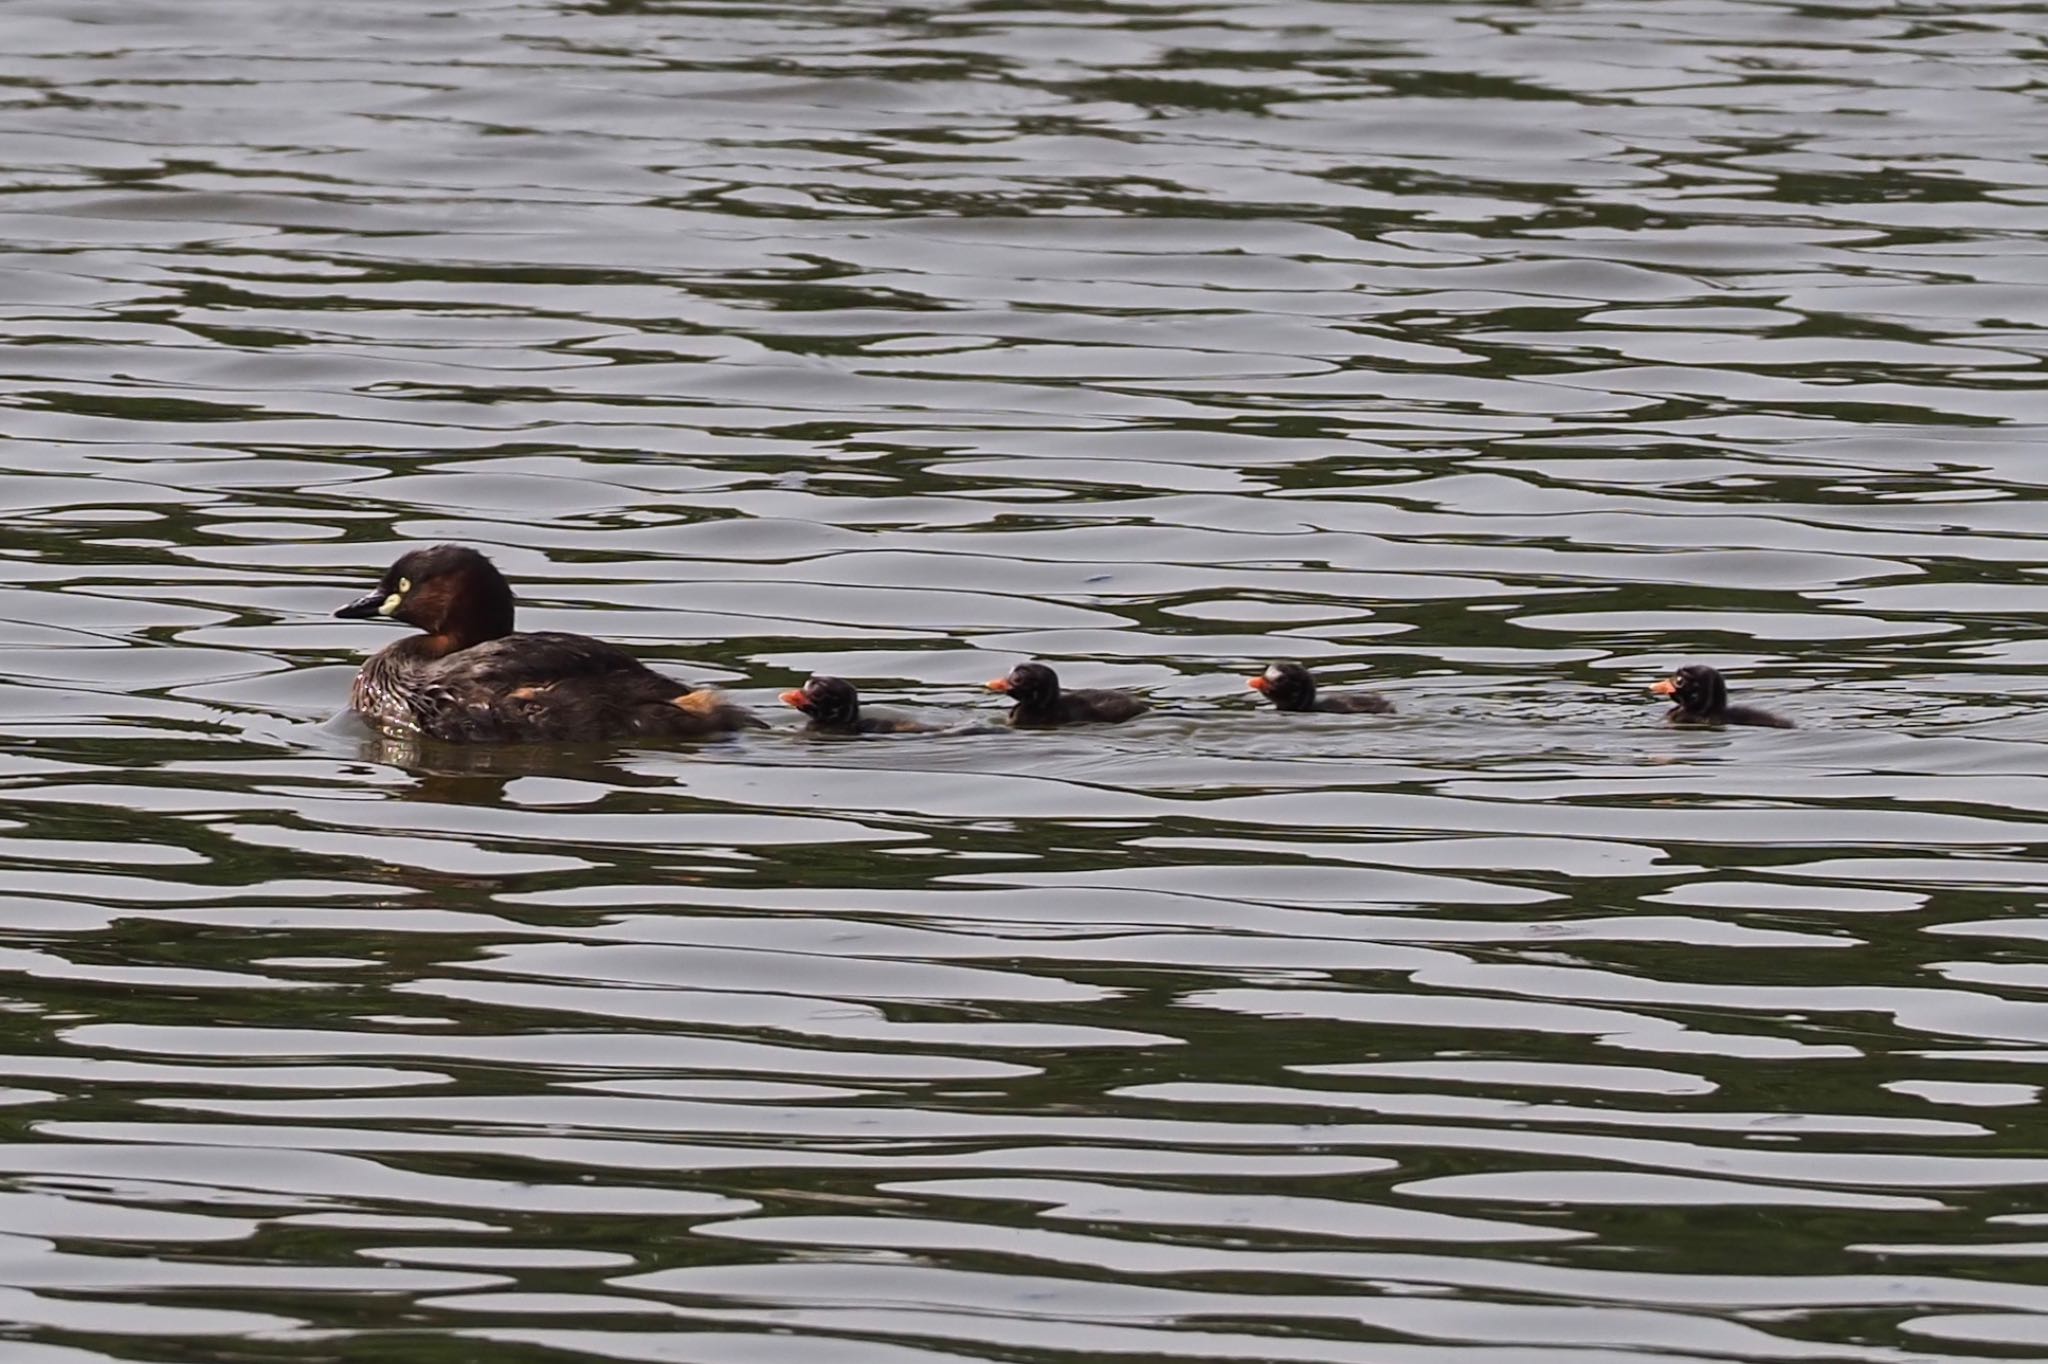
x=1498 y=355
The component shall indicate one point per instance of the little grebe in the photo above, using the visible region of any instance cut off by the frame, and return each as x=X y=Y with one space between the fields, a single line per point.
x=1702 y=699
x=471 y=679
x=834 y=708
x=1289 y=686
x=1040 y=702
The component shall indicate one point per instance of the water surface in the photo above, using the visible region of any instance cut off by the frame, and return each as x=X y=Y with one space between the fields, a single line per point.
x=1498 y=356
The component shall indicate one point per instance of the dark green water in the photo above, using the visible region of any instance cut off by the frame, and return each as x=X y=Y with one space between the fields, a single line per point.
x=1500 y=356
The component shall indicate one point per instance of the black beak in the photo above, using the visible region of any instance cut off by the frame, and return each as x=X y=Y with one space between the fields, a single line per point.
x=364 y=608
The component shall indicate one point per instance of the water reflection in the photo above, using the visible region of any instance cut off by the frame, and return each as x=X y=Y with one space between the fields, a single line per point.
x=1497 y=358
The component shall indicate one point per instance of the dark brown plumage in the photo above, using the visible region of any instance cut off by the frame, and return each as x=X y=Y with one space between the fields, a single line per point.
x=1289 y=686
x=1041 y=703
x=834 y=707
x=1702 y=699
x=471 y=679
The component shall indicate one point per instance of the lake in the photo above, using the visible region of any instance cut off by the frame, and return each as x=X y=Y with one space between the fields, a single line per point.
x=1498 y=356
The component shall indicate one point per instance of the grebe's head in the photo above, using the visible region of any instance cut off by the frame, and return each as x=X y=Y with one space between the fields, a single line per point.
x=450 y=591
